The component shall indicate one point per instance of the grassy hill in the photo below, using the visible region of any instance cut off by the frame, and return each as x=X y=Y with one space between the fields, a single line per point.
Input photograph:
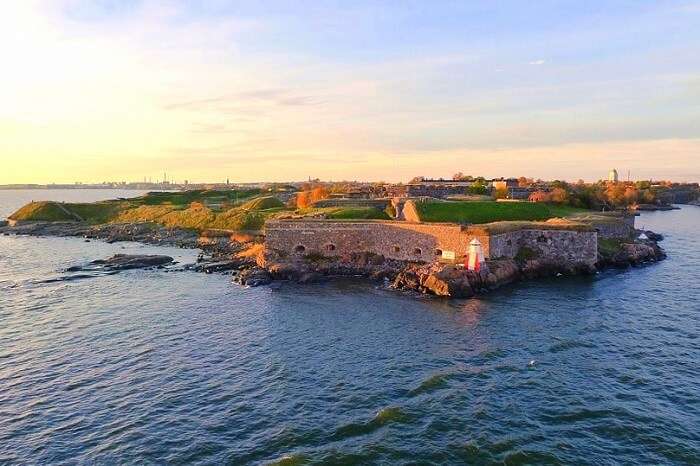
x=247 y=210
x=197 y=210
x=489 y=211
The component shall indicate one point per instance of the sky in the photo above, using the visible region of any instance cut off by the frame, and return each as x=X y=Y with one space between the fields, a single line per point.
x=205 y=90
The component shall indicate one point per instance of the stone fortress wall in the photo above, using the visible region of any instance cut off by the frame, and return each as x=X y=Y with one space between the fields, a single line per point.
x=550 y=245
x=423 y=242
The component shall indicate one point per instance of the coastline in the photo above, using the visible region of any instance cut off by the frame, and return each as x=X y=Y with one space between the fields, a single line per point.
x=250 y=265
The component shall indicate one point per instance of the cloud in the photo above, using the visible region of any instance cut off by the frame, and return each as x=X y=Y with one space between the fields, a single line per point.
x=256 y=97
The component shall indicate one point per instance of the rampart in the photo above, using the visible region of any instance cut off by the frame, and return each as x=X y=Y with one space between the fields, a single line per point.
x=424 y=242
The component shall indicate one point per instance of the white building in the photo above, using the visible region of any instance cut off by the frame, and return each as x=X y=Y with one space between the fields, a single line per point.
x=612 y=176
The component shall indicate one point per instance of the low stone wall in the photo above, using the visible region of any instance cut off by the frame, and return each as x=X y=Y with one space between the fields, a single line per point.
x=421 y=242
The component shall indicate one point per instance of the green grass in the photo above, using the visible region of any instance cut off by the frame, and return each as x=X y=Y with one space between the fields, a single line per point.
x=263 y=203
x=558 y=210
x=481 y=211
x=608 y=247
x=489 y=211
x=359 y=213
x=203 y=196
x=345 y=213
x=42 y=211
x=197 y=210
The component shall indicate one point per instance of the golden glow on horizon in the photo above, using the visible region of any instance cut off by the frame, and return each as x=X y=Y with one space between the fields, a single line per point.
x=111 y=103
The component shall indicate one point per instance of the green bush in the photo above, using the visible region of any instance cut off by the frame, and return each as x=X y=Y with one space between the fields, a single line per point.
x=525 y=254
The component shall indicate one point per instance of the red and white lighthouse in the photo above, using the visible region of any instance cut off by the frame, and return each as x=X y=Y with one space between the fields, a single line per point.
x=475 y=256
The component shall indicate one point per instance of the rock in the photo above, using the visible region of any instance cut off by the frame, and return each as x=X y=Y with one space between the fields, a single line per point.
x=656 y=237
x=220 y=266
x=632 y=254
x=254 y=276
x=124 y=262
x=286 y=271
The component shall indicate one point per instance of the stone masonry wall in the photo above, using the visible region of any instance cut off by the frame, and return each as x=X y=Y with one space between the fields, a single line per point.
x=619 y=229
x=421 y=241
x=394 y=240
x=551 y=245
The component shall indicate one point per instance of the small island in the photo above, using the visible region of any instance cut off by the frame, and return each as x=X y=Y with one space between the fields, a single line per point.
x=409 y=242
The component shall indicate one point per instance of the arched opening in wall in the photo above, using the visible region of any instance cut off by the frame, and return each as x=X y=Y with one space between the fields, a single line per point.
x=541 y=239
x=329 y=247
x=417 y=252
x=300 y=249
x=397 y=249
x=438 y=252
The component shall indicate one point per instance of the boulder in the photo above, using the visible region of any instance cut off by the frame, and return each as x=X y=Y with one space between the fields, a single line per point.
x=139 y=261
x=221 y=266
x=254 y=276
x=124 y=262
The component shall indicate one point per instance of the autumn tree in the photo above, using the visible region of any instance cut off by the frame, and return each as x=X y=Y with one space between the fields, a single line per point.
x=558 y=195
x=303 y=199
x=501 y=193
x=311 y=194
x=318 y=193
x=539 y=196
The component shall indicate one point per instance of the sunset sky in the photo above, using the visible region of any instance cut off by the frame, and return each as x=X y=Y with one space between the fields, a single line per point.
x=95 y=90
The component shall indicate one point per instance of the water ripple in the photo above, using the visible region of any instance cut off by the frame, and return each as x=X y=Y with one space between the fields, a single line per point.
x=157 y=368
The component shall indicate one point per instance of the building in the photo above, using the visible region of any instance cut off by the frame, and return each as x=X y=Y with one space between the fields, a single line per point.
x=437 y=188
x=294 y=239
x=613 y=176
x=503 y=184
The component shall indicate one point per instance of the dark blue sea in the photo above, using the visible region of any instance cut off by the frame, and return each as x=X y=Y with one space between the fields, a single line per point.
x=158 y=367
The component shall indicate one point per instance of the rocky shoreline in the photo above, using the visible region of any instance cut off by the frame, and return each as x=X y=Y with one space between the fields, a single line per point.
x=249 y=265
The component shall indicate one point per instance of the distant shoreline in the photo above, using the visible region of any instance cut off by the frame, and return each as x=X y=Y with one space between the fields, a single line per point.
x=74 y=188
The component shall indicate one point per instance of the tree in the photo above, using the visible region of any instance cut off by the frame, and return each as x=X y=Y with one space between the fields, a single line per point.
x=303 y=199
x=310 y=195
x=318 y=193
x=501 y=193
x=558 y=195
x=477 y=188
x=539 y=196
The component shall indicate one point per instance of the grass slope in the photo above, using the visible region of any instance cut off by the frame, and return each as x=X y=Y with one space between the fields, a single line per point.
x=42 y=211
x=196 y=210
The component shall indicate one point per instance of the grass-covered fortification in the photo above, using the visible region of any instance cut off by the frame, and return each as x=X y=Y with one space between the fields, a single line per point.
x=237 y=210
x=489 y=211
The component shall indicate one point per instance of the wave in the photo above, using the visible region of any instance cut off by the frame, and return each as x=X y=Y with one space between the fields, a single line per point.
x=569 y=344
x=432 y=383
x=383 y=417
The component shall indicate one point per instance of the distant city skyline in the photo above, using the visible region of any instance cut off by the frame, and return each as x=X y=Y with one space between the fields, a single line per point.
x=368 y=90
